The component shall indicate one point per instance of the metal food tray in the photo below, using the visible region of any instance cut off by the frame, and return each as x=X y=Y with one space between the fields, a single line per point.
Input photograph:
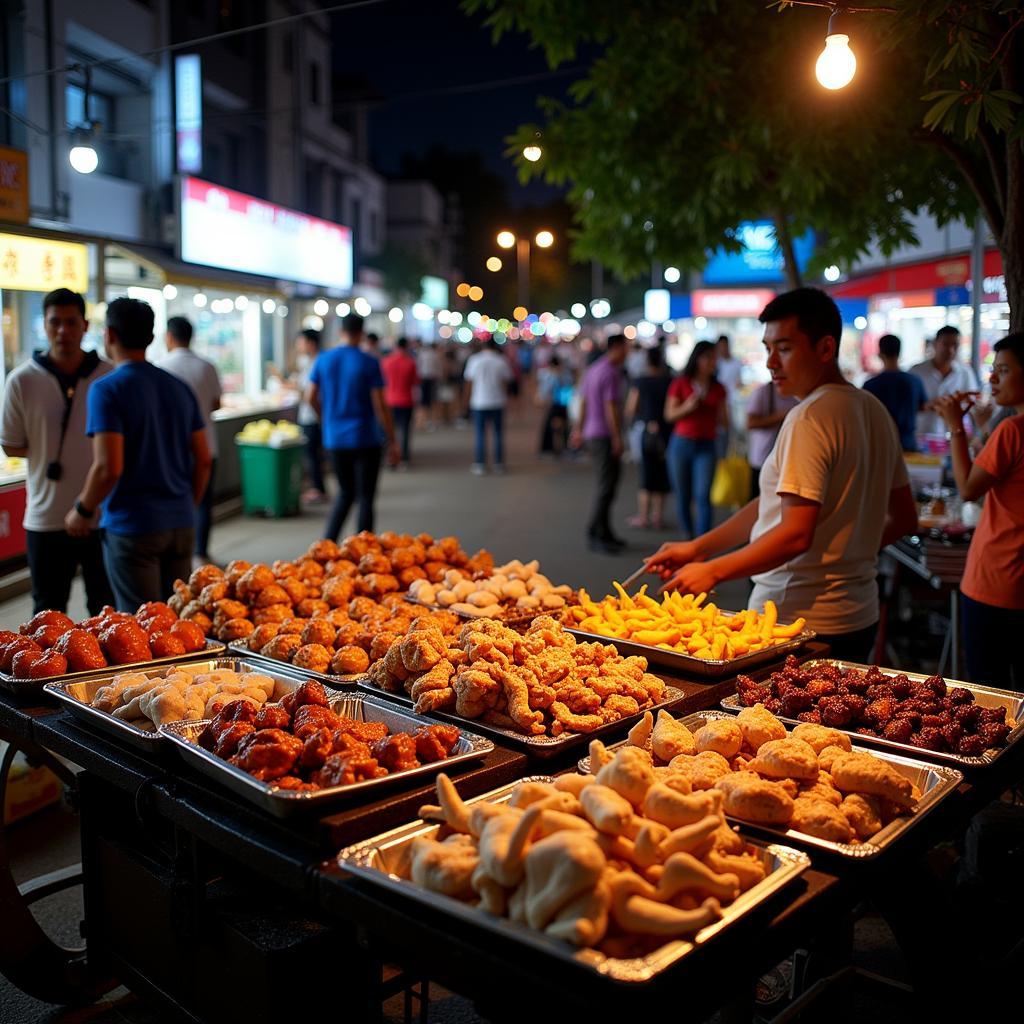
x=538 y=746
x=212 y=649
x=687 y=664
x=283 y=803
x=523 y=618
x=985 y=696
x=376 y=860
x=934 y=781
x=345 y=682
x=78 y=695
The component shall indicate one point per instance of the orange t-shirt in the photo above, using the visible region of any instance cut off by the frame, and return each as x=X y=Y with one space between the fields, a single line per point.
x=995 y=563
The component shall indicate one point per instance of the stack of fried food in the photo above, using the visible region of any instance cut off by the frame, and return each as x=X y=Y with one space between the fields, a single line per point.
x=810 y=780
x=923 y=713
x=622 y=861
x=301 y=744
x=539 y=682
x=322 y=611
x=51 y=644
x=683 y=624
x=187 y=693
x=513 y=589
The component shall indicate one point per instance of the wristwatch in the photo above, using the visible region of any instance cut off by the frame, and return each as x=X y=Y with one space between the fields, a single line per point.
x=85 y=513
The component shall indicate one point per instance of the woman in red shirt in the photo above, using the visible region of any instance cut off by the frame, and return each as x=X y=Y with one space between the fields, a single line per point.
x=696 y=406
x=992 y=590
x=400 y=380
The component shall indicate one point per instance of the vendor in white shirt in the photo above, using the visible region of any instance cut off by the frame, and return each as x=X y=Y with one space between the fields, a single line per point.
x=943 y=374
x=834 y=491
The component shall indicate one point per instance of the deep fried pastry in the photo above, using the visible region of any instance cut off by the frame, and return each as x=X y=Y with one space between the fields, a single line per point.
x=817 y=817
x=786 y=759
x=759 y=726
x=861 y=773
x=282 y=648
x=313 y=657
x=819 y=736
x=721 y=735
x=319 y=631
x=752 y=798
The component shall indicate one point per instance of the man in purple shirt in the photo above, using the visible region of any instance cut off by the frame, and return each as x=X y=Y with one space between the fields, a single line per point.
x=600 y=426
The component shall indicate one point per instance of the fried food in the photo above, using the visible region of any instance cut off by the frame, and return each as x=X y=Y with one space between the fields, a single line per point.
x=817 y=817
x=752 y=798
x=861 y=773
x=722 y=735
x=349 y=659
x=786 y=759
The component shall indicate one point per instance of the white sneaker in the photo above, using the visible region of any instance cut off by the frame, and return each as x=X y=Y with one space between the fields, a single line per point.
x=478 y=469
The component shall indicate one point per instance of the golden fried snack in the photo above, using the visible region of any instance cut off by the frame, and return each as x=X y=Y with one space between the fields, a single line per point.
x=235 y=629
x=235 y=570
x=820 y=818
x=702 y=770
x=348 y=660
x=319 y=631
x=273 y=613
x=786 y=759
x=227 y=609
x=311 y=571
x=670 y=738
x=292 y=625
x=863 y=813
x=378 y=584
x=323 y=551
x=203 y=577
x=212 y=593
x=274 y=594
x=314 y=657
x=861 y=773
x=751 y=798
x=819 y=736
x=295 y=588
x=282 y=647
x=721 y=735
x=253 y=580
x=261 y=636
x=310 y=608
x=338 y=591
x=759 y=726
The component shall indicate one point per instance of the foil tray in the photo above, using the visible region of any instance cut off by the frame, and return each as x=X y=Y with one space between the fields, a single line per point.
x=377 y=860
x=22 y=687
x=985 y=696
x=687 y=664
x=344 y=682
x=935 y=782
x=538 y=746
x=283 y=803
x=78 y=694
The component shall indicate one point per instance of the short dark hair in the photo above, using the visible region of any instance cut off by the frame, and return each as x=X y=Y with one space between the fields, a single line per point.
x=655 y=358
x=312 y=336
x=132 y=321
x=352 y=323
x=700 y=349
x=180 y=329
x=889 y=346
x=614 y=341
x=64 y=297
x=373 y=338
x=816 y=313
x=554 y=361
x=1013 y=343
x=402 y=343
x=948 y=329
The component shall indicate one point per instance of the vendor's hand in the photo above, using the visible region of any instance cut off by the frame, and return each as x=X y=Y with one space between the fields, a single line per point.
x=693 y=578
x=76 y=525
x=671 y=556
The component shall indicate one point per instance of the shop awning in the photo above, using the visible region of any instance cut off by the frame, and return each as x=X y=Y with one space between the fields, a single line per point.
x=178 y=272
x=947 y=272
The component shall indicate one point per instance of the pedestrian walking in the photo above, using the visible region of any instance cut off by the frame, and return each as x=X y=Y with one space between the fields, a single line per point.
x=600 y=429
x=765 y=414
x=451 y=385
x=201 y=376
x=554 y=386
x=488 y=375
x=307 y=348
x=729 y=372
x=645 y=408
x=44 y=416
x=150 y=464
x=697 y=408
x=400 y=380
x=346 y=388
x=428 y=365
x=943 y=374
x=901 y=393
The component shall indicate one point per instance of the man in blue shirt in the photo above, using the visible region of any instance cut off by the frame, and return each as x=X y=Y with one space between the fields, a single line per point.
x=150 y=466
x=346 y=388
x=901 y=393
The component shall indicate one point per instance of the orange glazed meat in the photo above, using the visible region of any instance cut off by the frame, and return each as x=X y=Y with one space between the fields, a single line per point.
x=125 y=642
x=268 y=754
x=81 y=649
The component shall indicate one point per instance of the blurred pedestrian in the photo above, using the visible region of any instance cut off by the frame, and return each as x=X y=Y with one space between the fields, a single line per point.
x=645 y=407
x=400 y=380
x=488 y=375
x=636 y=361
x=451 y=385
x=346 y=388
x=901 y=393
x=600 y=428
x=428 y=365
x=307 y=348
x=44 y=414
x=554 y=383
x=371 y=344
x=201 y=376
x=515 y=380
x=729 y=372
x=943 y=374
x=765 y=413
x=150 y=466
x=697 y=408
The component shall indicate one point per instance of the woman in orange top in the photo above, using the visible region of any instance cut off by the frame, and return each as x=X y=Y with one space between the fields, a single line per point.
x=992 y=589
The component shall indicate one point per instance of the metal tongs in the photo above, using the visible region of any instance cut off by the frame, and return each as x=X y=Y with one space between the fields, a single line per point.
x=631 y=579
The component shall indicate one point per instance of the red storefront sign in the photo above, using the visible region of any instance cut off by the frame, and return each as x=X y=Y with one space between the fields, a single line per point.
x=727 y=302
x=948 y=272
x=12 y=512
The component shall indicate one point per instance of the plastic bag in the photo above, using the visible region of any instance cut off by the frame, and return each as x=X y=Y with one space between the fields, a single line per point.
x=731 y=485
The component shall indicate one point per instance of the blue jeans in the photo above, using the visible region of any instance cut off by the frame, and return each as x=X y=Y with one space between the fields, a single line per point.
x=496 y=417
x=691 y=468
x=402 y=415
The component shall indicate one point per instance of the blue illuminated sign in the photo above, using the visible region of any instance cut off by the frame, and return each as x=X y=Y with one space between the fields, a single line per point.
x=760 y=260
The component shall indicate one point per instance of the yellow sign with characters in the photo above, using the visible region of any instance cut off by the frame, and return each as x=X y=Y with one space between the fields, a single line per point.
x=13 y=185
x=41 y=264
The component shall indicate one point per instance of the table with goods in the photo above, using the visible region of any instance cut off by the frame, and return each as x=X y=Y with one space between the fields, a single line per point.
x=389 y=762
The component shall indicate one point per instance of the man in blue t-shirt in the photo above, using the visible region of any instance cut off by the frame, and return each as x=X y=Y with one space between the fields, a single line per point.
x=150 y=464
x=346 y=388
x=901 y=393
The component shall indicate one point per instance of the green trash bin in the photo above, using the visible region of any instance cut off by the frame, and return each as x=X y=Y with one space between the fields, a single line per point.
x=271 y=477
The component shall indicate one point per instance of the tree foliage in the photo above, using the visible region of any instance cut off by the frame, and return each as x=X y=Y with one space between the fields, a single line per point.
x=698 y=115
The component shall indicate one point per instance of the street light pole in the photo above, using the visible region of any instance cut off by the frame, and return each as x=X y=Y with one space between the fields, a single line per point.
x=523 y=270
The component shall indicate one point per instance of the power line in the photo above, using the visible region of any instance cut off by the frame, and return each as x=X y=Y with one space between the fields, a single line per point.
x=189 y=43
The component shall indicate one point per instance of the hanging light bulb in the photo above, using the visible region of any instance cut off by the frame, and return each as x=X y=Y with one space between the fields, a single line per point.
x=83 y=156
x=837 y=64
x=533 y=151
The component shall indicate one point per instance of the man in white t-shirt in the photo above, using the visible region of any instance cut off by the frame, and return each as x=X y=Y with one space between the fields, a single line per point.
x=834 y=491
x=943 y=374
x=201 y=376
x=44 y=422
x=428 y=368
x=488 y=375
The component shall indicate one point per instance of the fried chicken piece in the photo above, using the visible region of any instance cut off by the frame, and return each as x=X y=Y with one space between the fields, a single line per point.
x=435 y=742
x=349 y=659
x=189 y=634
x=294 y=784
x=786 y=759
x=751 y=798
x=229 y=738
x=435 y=700
x=235 y=629
x=579 y=698
x=319 y=631
x=272 y=613
x=261 y=636
x=81 y=649
x=422 y=650
x=272 y=716
x=816 y=817
x=282 y=648
x=364 y=732
x=125 y=642
x=308 y=718
x=292 y=626
x=476 y=691
x=267 y=754
x=566 y=721
x=165 y=645
x=863 y=813
x=316 y=748
x=345 y=769
x=309 y=692
x=253 y=580
x=517 y=695
x=861 y=773
x=819 y=737
x=37 y=664
x=439 y=677
x=397 y=752
x=313 y=657
x=204 y=576
x=619 y=706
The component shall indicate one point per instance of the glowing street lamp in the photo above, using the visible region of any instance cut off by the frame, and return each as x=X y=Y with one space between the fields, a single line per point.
x=493 y=264
x=506 y=239
x=836 y=65
x=545 y=239
x=532 y=153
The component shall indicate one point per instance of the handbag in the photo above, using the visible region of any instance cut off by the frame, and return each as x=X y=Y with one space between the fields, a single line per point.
x=731 y=485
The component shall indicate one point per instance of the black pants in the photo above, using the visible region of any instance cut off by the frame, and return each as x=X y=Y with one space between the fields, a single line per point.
x=53 y=558
x=143 y=566
x=357 y=470
x=856 y=646
x=204 y=517
x=402 y=415
x=607 y=466
x=314 y=455
x=993 y=644
x=555 y=434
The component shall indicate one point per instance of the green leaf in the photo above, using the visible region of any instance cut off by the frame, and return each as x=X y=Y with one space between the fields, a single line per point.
x=936 y=114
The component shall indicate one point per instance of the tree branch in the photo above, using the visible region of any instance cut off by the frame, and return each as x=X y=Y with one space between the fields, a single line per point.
x=785 y=239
